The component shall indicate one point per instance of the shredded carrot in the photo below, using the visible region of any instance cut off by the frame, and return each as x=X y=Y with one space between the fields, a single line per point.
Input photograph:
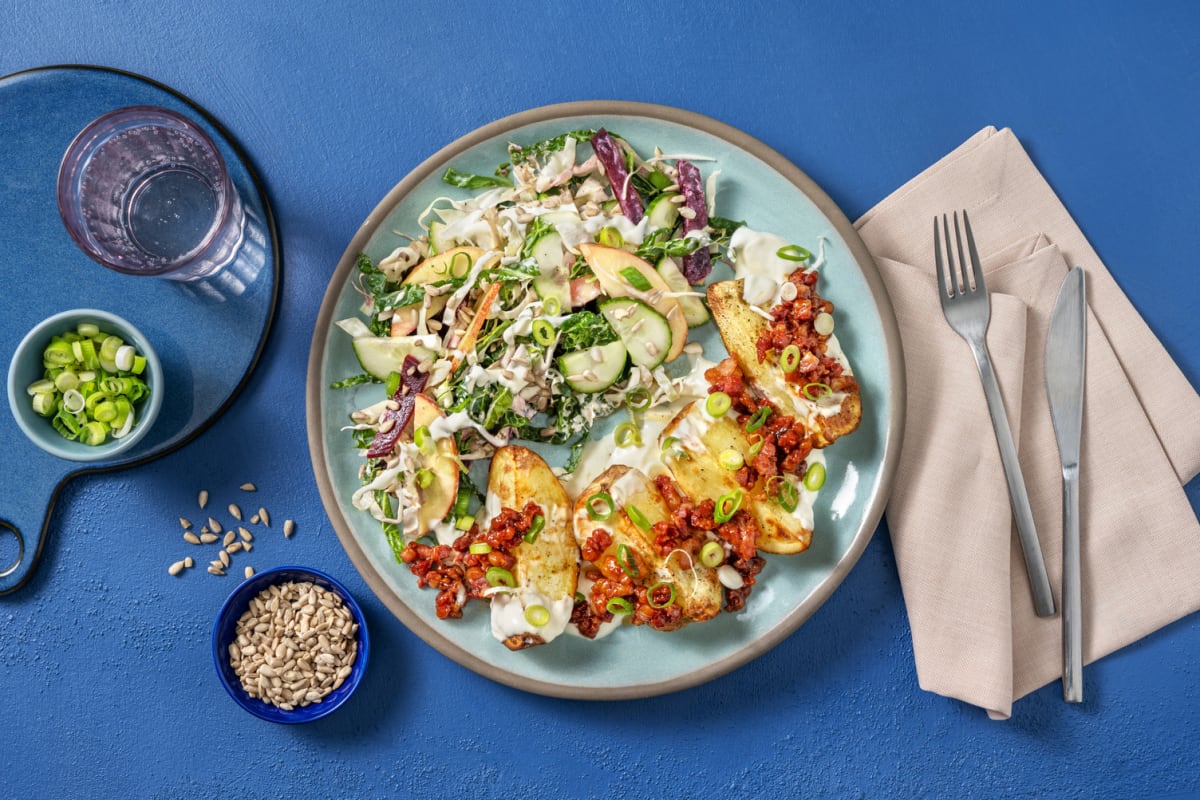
x=481 y=315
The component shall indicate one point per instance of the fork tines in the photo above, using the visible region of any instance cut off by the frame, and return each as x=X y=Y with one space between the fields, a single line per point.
x=959 y=283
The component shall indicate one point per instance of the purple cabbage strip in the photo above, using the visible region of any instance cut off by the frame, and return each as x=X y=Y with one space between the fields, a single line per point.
x=412 y=381
x=612 y=157
x=697 y=264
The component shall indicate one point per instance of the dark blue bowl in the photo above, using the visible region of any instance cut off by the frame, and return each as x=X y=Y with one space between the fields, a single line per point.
x=225 y=628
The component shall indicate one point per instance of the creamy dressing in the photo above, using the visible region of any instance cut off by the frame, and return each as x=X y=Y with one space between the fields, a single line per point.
x=508 y=614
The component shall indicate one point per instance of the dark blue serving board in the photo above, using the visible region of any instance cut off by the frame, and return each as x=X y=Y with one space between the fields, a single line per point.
x=208 y=334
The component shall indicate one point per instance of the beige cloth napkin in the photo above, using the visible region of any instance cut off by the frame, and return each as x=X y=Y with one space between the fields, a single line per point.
x=975 y=634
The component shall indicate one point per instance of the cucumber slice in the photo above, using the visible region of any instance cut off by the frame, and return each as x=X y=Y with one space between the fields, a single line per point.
x=595 y=369
x=694 y=310
x=662 y=213
x=380 y=355
x=554 y=281
x=438 y=241
x=645 y=332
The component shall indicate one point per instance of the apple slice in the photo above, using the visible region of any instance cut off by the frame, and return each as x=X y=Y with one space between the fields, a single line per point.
x=438 y=497
x=453 y=263
x=612 y=266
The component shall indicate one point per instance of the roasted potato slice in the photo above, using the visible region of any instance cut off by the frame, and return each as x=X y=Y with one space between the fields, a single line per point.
x=547 y=568
x=698 y=471
x=698 y=591
x=828 y=418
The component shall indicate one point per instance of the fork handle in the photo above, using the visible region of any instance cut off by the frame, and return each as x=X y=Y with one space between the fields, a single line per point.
x=1035 y=566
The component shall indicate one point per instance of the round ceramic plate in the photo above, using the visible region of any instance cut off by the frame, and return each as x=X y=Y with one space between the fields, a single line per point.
x=756 y=185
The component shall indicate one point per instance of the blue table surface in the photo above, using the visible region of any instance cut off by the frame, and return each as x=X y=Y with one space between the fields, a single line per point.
x=106 y=682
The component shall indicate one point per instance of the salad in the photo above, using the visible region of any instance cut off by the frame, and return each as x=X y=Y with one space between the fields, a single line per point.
x=552 y=294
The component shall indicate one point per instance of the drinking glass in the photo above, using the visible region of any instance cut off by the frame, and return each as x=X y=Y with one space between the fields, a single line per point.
x=143 y=190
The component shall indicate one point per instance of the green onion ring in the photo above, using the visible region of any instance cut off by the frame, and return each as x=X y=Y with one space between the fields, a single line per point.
x=712 y=554
x=543 y=332
x=756 y=444
x=551 y=306
x=619 y=605
x=731 y=459
x=758 y=419
x=499 y=576
x=783 y=492
x=823 y=388
x=789 y=359
x=793 y=252
x=610 y=237
x=479 y=548
x=814 y=477
x=423 y=439
x=537 y=616
x=626 y=560
x=638 y=399
x=727 y=505
x=454 y=265
x=627 y=435
x=535 y=527
x=655 y=587
x=637 y=517
x=603 y=511
x=424 y=478
x=717 y=404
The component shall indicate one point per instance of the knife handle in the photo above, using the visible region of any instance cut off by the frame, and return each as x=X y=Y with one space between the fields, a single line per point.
x=1072 y=593
x=1035 y=565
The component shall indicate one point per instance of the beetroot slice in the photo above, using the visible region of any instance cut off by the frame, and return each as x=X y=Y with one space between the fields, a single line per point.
x=611 y=156
x=697 y=264
x=412 y=381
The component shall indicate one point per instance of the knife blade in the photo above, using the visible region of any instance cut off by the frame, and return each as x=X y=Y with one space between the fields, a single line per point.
x=1066 y=355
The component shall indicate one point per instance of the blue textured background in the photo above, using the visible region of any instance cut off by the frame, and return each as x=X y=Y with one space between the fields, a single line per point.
x=106 y=686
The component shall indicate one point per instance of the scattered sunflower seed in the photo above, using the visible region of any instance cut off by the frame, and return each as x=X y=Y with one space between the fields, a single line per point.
x=248 y=546
x=188 y=563
x=185 y=523
x=248 y=572
x=208 y=538
x=265 y=517
x=230 y=538
x=214 y=525
x=216 y=563
x=248 y=487
x=254 y=520
x=215 y=571
x=176 y=568
x=191 y=538
x=235 y=512
x=203 y=498
x=224 y=556
x=289 y=527
x=233 y=547
x=245 y=534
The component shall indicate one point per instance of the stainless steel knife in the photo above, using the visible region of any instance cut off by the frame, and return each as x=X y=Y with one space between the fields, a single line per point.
x=1066 y=354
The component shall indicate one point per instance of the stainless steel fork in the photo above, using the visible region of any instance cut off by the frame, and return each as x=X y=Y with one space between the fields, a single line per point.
x=968 y=309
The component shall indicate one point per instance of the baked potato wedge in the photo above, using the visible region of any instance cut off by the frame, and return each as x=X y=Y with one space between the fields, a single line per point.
x=698 y=471
x=547 y=568
x=828 y=417
x=698 y=592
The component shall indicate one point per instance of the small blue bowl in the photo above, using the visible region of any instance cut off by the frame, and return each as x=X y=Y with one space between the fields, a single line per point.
x=225 y=631
x=26 y=367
